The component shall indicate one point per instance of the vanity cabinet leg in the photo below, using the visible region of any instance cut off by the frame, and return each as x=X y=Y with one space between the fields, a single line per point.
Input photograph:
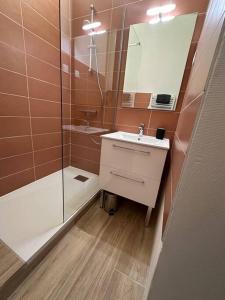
x=148 y=215
x=101 y=198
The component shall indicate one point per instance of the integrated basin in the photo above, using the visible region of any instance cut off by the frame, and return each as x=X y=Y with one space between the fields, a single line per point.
x=146 y=140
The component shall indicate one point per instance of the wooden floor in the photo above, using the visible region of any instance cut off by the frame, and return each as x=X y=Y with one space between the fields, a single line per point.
x=9 y=263
x=101 y=257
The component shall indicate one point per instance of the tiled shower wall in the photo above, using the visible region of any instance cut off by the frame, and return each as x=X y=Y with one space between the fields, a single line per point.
x=30 y=108
x=193 y=97
x=116 y=17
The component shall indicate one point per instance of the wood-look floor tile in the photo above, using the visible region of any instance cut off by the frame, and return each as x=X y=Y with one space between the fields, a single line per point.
x=9 y=263
x=101 y=257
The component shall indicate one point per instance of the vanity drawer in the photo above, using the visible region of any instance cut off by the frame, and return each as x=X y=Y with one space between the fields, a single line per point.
x=138 y=188
x=139 y=159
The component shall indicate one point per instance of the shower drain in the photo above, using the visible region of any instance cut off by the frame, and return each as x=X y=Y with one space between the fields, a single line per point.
x=81 y=178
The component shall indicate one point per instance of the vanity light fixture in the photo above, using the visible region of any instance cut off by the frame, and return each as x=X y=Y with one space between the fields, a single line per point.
x=160 y=18
x=96 y=32
x=161 y=9
x=159 y=12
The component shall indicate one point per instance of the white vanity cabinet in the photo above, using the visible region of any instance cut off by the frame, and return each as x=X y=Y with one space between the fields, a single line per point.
x=132 y=168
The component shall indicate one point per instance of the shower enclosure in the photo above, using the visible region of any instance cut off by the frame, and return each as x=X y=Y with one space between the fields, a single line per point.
x=88 y=54
x=59 y=88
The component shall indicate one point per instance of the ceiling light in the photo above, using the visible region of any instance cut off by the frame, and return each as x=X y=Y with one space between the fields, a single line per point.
x=161 y=9
x=92 y=25
x=96 y=32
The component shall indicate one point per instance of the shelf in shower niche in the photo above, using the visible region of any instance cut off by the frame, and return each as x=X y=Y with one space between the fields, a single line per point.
x=88 y=112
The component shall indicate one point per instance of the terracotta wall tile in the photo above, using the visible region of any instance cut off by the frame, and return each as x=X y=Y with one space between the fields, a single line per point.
x=111 y=98
x=38 y=25
x=46 y=125
x=94 y=98
x=48 y=168
x=65 y=80
x=15 y=164
x=42 y=108
x=131 y=129
x=11 y=59
x=118 y=17
x=85 y=153
x=66 y=150
x=43 y=141
x=43 y=71
x=132 y=117
x=13 y=105
x=79 y=97
x=109 y=115
x=66 y=110
x=14 y=126
x=85 y=140
x=77 y=113
x=168 y=135
x=13 y=182
x=122 y=2
x=168 y=198
x=180 y=101
x=11 y=8
x=15 y=146
x=42 y=90
x=77 y=64
x=186 y=123
x=79 y=83
x=178 y=157
x=39 y=48
x=19 y=86
x=82 y=8
x=66 y=95
x=191 y=54
x=66 y=137
x=40 y=19
x=46 y=155
x=84 y=164
x=164 y=119
x=47 y=9
x=11 y=33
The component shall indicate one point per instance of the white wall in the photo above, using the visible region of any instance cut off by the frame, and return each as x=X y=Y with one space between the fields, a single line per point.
x=157 y=64
x=192 y=261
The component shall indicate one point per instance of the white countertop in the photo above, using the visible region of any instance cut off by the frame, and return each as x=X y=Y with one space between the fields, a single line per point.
x=145 y=140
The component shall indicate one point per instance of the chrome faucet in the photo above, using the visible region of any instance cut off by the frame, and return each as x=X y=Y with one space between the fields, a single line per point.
x=141 y=130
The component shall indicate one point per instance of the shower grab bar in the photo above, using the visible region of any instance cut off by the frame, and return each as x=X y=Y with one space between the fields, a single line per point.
x=131 y=149
x=132 y=179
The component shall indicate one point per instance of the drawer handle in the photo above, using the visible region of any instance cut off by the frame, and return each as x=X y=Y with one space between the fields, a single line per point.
x=131 y=149
x=132 y=179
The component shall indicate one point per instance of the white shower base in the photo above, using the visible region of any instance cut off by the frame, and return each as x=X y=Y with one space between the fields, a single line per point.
x=31 y=215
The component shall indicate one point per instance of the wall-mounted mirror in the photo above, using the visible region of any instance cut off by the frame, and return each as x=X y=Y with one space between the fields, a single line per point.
x=155 y=63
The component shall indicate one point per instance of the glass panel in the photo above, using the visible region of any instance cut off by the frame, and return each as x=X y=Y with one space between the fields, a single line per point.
x=89 y=105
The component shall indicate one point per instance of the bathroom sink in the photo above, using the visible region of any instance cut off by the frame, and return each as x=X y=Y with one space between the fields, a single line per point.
x=84 y=129
x=136 y=139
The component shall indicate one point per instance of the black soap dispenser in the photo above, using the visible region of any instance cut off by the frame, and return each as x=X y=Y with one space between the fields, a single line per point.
x=160 y=133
